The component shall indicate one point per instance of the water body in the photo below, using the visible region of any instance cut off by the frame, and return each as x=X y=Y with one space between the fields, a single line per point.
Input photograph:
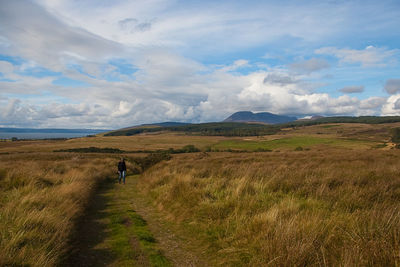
x=25 y=133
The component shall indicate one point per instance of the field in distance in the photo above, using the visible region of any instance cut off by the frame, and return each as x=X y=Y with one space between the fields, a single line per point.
x=344 y=135
x=324 y=194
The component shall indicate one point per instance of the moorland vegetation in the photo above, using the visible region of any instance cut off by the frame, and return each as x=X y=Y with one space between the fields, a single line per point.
x=42 y=196
x=326 y=207
x=334 y=202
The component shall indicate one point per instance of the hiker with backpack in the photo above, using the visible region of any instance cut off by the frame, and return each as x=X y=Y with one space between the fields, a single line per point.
x=121 y=170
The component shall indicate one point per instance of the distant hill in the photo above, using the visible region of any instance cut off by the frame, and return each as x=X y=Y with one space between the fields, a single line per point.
x=246 y=128
x=208 y=129
x=264 y=117
x=167 y=124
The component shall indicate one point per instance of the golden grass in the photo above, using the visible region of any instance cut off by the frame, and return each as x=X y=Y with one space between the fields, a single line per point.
x=153 y=141
x=41 y=197
x=325 y=206
x=330 y=208
x=129 y=143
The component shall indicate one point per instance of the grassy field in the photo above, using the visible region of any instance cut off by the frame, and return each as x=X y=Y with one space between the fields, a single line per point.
x=333 y=202
x=291 y=143
x=330 y=208
x=41 y=197
x=140 y=142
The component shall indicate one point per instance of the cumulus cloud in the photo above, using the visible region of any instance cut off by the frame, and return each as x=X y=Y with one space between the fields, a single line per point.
x=392 y=86
x=13 y=113
x=397 y=104
x=391 y=107
x=369 y=57
x=372 y=103
x=352 y=89
x=311 y=65
x=209 y=97
x=289 y=98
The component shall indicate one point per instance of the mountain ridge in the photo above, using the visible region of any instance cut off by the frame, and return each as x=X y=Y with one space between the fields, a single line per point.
x=264 y=117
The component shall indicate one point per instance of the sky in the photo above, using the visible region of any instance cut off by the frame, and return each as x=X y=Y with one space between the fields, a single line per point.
x=112 y=64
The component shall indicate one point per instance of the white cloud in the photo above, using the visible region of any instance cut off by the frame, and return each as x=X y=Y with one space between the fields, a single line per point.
x=372 y=103
x=123 y=109
x=212 y=25
x=391 y=107
x=208 y=97
x=6 y=68
x=38 y=36
x=159 y=38
x=369 y=57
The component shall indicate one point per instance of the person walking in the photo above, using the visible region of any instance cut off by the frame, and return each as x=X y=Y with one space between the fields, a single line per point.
x=121 y=170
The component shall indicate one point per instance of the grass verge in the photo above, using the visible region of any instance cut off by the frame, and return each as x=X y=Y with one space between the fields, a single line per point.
x=111 y=233
x=130 y=238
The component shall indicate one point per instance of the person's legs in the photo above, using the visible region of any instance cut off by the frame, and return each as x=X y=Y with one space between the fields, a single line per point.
x=119 y=177
x=123 y=175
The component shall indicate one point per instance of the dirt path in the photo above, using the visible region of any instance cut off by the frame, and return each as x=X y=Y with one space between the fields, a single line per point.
x=176 y=247
x=121 y=229
x=89 y=247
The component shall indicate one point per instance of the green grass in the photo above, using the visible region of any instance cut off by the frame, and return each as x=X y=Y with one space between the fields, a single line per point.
x=130 y=239
x=289 y=143
x=330 y=126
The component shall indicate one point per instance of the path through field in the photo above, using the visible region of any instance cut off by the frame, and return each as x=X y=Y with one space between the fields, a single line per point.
x=122 y=229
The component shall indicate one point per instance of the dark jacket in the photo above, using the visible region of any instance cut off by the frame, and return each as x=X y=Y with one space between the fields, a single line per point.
x=121 y=166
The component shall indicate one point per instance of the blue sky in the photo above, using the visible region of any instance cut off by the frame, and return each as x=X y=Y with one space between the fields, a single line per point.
x=111 y=64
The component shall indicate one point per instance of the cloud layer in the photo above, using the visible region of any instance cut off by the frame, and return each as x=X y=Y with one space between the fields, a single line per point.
x=82 y=64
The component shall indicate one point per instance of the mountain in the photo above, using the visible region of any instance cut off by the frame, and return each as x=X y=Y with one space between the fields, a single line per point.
x=265 y=117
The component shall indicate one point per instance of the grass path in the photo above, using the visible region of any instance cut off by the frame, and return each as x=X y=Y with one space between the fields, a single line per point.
x=176 y=243
x=121 y=229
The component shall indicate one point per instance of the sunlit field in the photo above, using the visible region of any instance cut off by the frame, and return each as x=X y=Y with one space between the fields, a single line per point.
x=325 y=195
x=42 y=196
x=310 y=208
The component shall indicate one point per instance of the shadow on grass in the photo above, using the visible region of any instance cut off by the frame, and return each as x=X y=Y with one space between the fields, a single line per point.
x=92 y=231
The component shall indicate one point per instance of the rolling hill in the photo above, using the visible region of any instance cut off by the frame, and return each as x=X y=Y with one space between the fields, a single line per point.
x=264 y=117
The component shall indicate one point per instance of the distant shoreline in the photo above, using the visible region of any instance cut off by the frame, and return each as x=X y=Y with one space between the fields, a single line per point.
x=28 y=133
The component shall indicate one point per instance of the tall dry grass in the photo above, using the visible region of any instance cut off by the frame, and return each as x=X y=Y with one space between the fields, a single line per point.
x=325 y=208
x=41 y=197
